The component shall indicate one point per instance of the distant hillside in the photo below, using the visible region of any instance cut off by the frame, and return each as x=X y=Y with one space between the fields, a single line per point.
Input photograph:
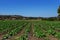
x=10 y=17
x=16 y=17
x=19 y=17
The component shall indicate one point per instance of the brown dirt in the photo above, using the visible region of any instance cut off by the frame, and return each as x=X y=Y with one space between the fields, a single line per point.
x=52 y=37
x=1 y=36
x=30 y=35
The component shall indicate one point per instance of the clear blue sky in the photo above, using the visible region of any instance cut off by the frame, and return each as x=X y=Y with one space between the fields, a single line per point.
x=36 y=8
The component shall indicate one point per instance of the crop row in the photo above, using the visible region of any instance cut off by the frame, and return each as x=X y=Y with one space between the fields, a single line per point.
x=14 y=31
x=44 y=29
x=24 y=36
x=41 y=29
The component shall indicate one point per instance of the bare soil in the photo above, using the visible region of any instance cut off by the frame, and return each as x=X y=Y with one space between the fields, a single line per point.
x=30 y=35
x=52 y=37
x=1 y=36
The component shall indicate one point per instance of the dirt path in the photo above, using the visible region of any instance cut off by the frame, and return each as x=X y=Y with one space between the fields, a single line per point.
x=52 y=37
x=30 y=35
x=1 y=36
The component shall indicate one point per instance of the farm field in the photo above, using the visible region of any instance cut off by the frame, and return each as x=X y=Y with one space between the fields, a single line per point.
x=29 y=30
